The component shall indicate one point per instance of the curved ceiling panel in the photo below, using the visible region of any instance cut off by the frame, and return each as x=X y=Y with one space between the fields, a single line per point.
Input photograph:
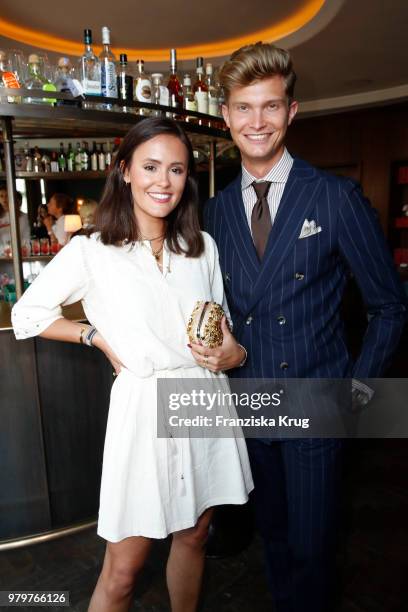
x=145 y=30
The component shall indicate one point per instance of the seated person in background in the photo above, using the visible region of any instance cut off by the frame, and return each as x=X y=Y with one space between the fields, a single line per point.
x=5 y=236
x=59 y=205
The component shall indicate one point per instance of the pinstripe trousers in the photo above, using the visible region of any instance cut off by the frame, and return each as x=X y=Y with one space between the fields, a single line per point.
x=296 y=500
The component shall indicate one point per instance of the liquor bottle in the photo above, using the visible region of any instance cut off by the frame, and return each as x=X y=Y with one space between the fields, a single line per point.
x=108 y=155
x=174 y=85
x=94 y=158
x=85 y=157
x=37 y=80
x=200 y=88
x=221 y=97
x=46 y=163
x=101 y=158
x=108 y=67
x=28 y=159
x=160 y=93
x=7 y=79
x=37 y=165
x=142 y=88
x=189 y=101
x=78 y=158
x=65 y=81
x=124 y=80
x=213 y=104
x=54 y=162
x=64 y=75
x=90 y=72
x=70 y=159
x=62 y=160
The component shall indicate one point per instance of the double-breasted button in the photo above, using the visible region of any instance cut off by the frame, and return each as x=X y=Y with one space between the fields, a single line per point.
x=281 y=319
x=299 y=276
x=284 y=365
x=249 y=320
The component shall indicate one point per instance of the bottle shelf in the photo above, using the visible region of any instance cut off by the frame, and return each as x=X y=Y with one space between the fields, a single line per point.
x=61 y=176
x=70 y=118
x=31 y=258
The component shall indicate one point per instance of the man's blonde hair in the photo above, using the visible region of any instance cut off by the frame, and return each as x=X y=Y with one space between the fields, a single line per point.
x=254 y=63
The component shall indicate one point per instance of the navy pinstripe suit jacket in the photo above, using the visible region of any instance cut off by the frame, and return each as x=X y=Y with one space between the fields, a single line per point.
x=286 y=309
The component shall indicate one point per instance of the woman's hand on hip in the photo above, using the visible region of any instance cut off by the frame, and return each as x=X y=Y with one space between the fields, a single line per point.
x=100 y=342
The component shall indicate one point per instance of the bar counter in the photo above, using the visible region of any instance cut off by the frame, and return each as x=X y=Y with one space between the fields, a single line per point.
x=53 y=410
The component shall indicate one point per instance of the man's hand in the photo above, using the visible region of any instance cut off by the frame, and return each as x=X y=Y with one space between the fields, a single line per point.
x=229 y=355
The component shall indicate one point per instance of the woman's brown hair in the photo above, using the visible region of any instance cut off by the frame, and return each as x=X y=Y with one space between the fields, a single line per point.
x=115 y=218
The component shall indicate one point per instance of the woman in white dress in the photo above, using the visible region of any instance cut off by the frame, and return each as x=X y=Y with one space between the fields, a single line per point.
x=138 y=276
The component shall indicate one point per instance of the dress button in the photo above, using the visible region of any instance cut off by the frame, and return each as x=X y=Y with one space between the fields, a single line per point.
x=249 y=320
x=284 y=365
x=281 y=320
x=227 y=277
x=299 y=276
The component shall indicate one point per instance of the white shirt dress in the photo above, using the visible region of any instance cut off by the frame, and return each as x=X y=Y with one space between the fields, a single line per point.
x=150 y=486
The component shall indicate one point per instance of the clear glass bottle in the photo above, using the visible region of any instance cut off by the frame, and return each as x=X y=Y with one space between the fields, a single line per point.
x=124 y=81
x=94 y=158
x=108 y=155
x=213 y=104
x=28 y=159
x=174 y=85
x=108 y=67
x=37 y=165
x=221 y=97
x=101 y=158
x=46 y=163
x=143 y=87
x=35 y=79
x=200 y=88
x=78 y=158
x=89 y=69
x=85 y=157
x=64 y=76
x=160 y=93
x=189 y=101
x=54 y=162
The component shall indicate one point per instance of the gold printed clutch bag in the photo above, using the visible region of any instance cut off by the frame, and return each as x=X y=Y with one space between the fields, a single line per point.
x=205 y=324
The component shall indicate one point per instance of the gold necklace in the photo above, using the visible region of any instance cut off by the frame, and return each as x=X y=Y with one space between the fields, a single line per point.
x=156 y=254
x=151 y=239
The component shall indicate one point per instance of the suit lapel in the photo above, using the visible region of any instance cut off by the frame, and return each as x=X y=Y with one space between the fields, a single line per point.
x=298 y=198
x=236 y=221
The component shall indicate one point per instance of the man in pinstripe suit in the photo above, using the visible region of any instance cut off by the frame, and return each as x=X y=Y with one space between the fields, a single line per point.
x=288 y=235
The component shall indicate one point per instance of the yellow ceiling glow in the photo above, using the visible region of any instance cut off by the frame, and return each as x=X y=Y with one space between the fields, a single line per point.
x=274 y=32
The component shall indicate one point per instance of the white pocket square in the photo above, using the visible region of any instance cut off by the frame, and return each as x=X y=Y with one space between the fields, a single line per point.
x=309 y=228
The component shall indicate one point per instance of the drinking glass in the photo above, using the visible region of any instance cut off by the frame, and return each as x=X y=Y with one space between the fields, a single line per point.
x=45 y=246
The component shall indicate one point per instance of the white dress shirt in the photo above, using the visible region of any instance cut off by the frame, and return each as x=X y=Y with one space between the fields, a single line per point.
x=277 y=175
